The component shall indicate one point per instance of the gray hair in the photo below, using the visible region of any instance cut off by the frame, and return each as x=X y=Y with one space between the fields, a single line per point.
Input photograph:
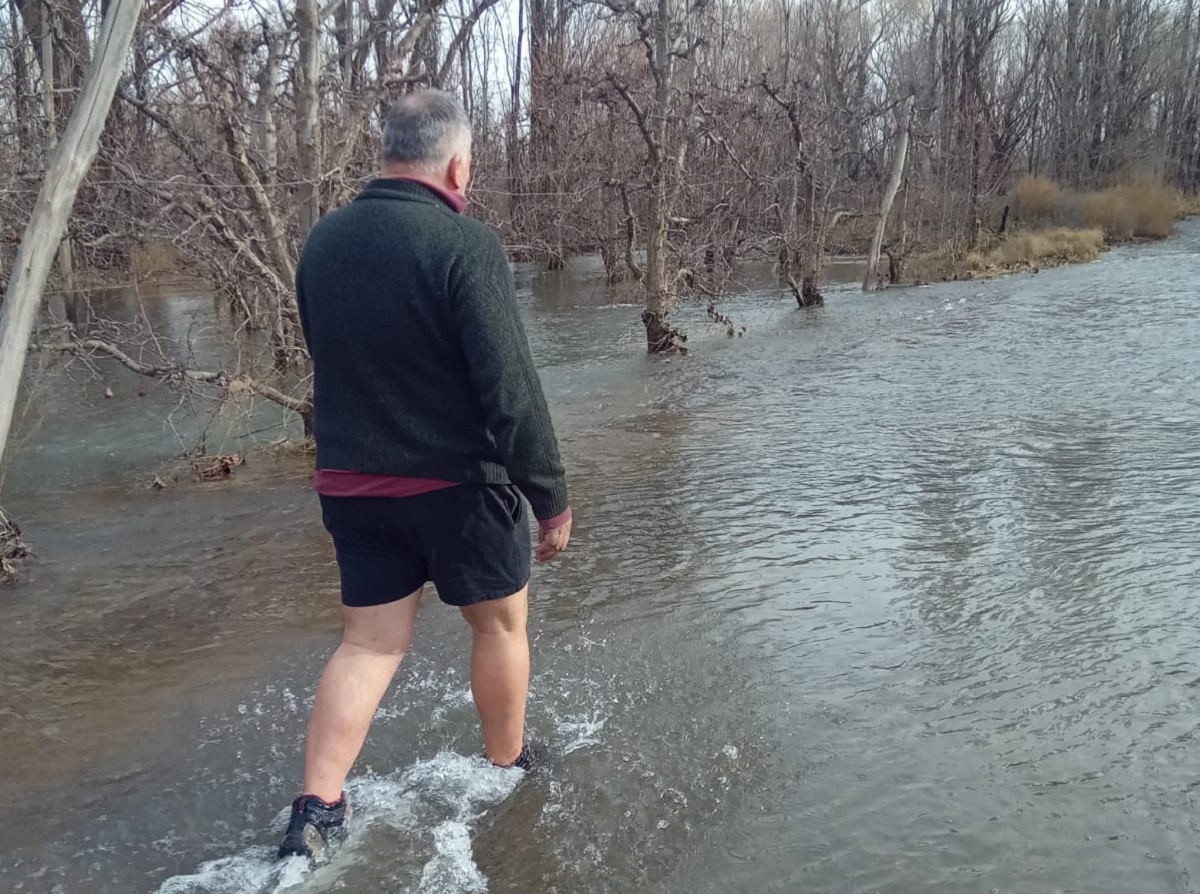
x=423 y=129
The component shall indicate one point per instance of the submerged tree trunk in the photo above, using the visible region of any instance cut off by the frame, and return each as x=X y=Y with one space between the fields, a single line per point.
x=809 y=293
x=70 y=163
x=889 y=195
x=660 y=337
x=658 y=299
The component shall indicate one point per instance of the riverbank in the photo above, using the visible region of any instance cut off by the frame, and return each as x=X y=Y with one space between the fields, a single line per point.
x=1043 y=225
x=1052 y=227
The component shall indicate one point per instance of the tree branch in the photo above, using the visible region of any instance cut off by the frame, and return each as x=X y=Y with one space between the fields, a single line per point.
x=174 y=373
x=639 y=116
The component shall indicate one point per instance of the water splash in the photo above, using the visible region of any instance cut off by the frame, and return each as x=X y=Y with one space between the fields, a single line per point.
x=453 y=865
x=448 y=793
x=253 y=870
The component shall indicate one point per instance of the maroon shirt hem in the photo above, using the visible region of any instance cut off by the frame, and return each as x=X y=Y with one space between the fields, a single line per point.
x=340 y=483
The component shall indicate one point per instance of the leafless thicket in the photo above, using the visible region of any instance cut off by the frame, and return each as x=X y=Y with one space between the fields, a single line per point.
x=671 y=137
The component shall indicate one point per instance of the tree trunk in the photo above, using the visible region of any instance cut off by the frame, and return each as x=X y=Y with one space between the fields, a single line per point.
x=1068 y=137
x=889 y=194
x=660 y=337
x=22 y=90
x=1098 y=99
x=72 y=158
x=514 y=117
x=50 y=67
x=343 y=34
x=267 y=131
x=308 y=114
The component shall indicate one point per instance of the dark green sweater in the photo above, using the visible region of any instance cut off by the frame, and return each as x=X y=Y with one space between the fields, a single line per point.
x=420 y=361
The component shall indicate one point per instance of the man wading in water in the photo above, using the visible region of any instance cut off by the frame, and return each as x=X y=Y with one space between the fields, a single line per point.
x=430 y=425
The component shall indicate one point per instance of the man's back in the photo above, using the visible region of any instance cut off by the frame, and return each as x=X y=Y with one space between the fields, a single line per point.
x=421 y=364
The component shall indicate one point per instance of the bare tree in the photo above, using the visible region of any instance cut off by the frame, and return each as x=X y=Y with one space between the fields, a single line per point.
x=68 y=165
x=889 y=194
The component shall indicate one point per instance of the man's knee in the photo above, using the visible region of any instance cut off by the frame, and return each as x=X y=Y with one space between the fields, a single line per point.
x=499 y=616
x=382 y=642
x=385 y=630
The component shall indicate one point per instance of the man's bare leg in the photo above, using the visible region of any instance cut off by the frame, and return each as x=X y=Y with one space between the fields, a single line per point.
x=500 y=672
x=358 y=674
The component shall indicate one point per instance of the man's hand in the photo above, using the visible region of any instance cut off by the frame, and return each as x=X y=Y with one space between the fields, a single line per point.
x=553 y=542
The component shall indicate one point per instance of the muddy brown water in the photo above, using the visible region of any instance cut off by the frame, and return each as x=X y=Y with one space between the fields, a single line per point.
x=897 y=595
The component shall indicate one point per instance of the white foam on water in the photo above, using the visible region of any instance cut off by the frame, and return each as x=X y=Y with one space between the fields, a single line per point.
x=455 y=700
x=449 y=792
x=255 y=869
x=579 y=732
x=453 y=865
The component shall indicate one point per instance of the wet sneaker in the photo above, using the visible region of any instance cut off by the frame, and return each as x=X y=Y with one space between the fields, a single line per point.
x=315 y=829
x=532 y=756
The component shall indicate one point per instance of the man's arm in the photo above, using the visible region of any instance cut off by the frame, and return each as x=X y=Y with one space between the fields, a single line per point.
x=497 y=353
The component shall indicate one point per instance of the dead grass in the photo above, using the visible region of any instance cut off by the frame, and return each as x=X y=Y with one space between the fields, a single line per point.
x=1037 y=248
x=1018 y=250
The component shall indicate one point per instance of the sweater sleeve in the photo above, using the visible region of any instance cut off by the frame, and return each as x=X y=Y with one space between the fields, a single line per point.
x=501 y=367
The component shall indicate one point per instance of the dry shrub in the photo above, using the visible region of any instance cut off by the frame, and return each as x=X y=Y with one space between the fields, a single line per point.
x=1188 y=204
x=976 y=260
x=1141 y=207
x=1036 y=198
x=1133 y=211
x=1039 y=248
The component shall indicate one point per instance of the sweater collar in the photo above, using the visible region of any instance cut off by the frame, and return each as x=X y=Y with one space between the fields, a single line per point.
x=407 y=188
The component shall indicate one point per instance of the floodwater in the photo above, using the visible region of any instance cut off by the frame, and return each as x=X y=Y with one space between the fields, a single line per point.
x=897 y=595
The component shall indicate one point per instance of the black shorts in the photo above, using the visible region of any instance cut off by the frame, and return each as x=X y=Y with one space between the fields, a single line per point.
x=472 y=540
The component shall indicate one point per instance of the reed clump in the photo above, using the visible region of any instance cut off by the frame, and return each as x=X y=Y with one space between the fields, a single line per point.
x=1141 y=207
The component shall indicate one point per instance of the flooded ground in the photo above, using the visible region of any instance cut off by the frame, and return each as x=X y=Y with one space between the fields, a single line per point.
x=897 y=595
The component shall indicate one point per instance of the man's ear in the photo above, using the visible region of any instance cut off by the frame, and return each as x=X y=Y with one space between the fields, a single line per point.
x=458 y=172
